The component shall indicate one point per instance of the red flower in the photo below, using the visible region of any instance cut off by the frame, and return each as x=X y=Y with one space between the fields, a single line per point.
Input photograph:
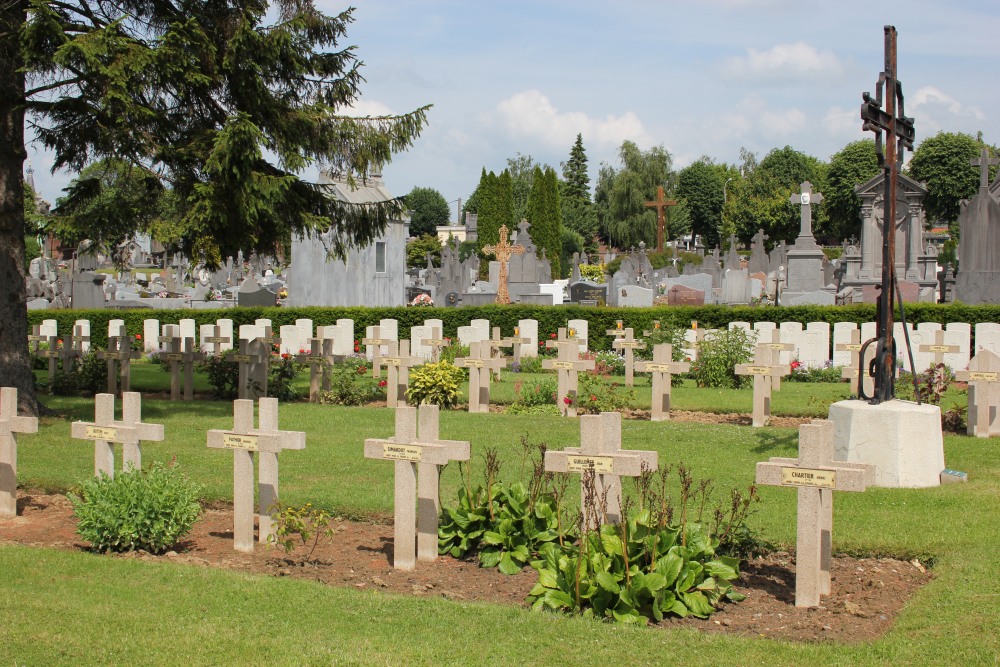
x=567 y=400
x=382 y=383
x=552 y=335
x=138 y=336
x=593 y=398
x=301 y=351
x=357 y=348
x=285 y=355
x=362 y=370
x=796 y=364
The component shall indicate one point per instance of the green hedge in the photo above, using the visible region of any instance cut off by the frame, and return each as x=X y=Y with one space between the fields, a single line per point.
x=550 y=318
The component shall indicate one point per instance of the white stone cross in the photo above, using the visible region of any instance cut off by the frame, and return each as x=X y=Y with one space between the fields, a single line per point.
x=243 y=358
x=776 y=347
x=817 y=476
x=182 y=353
x=216 y=340
x=435 y=342
x=416 y=459
x=243 y=439
x=374 y=346
x=601 y=451
x=398 y=362
x=662 y=366
x=73 y=351
x=567 y=365
x=806 y=199
x=514 y=343
x=983 y=377
x=853 y=372
x=762 y=369
x=938 y=348
x=104 y=431
x=618 y=331
x=481 y=365
x=10 y=426
x=628 y=343
x=52 y=354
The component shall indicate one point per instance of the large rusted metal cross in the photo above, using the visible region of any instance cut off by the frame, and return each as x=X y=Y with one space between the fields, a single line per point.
x=899 y=136
x=661 y=204
x=503 y=250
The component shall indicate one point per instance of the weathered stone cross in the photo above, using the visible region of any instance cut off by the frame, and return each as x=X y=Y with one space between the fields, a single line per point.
x=817 y=476
x=983 y=377
x=662 y=366
x=105 y=432
x=244 y=440
x=10 y=426
x=481 y=363
x=601 y=451
x=984 y=162
x=120 y=354
x=416 y=459
x=53 y=353
x=661 y=204
x=71 y=353
x=216 y=340
x=515 y=342
x=435 y=342
x=853 y=372
x=630 y=345
x=35 y=338
x=938 y=348
x=182 y=353
x=806 y=199
x=503 y=250
x=567 y=364
x=243 y=358
x=399 y=362
x=776 y=347
x=762 y=369
x=618 y=331
x=319 y=358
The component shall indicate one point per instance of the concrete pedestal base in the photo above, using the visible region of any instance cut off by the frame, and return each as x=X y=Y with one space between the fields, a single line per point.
x=901 y=439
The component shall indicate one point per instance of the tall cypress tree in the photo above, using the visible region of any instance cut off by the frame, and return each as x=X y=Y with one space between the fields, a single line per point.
x=575 y=173
x=546 y=216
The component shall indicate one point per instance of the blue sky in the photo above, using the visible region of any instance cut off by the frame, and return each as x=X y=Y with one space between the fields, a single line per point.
x=700 y=77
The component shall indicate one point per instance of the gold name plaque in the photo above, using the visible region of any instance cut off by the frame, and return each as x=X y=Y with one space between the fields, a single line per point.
x=101 y=433
x=985 y=376
x=402 y=452
x=237 y=441
x=599 y=464
x=823 y=479
x=562 y=365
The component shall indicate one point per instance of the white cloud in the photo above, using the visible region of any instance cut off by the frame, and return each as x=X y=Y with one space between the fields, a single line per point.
x=531 y=114
x=364 y=107
x=784 y=61
x=931 y=100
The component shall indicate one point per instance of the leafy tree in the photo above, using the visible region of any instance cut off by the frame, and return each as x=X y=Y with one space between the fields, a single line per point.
x=790 y=168
x=702 y=187
x=943 y=162
x=624 y=219
x=853 y=165
x=226 y=102
x=522 y=172
x=430 y=210
x=108 y=203
x=545 y=216
x=572 y=242
x=757 y=200
x=418 y=248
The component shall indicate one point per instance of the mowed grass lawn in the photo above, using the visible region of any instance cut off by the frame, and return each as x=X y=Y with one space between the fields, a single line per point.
x=80 y=608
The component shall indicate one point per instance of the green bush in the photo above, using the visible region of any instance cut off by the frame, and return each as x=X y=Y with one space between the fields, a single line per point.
x=527 y=365
x=718 y=354
x=531 y=394
x=350 y=384
x=827 y=373
x=437 y=384
x=281 y=376
x=148 y=509
x=596 y=396
x=91 y=375
x=223 y=375
x=606 y=363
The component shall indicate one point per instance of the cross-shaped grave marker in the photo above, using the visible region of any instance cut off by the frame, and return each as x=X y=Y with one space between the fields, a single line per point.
x=983 y=377
x=243 y=358
x=119 y=356
x=656 y=327
x=938 y=348
x=35 y=339
x=319 y=358
x=568 y=365
x=105 y=431
x=503 y=250
x=268 y=441
x=73 y=352
x=630 y=345
x=515 y=342
x=817 y=476
x=984 y=162
x=481 y=364
x=435 y=342
x=417 y=460
x=601 y=451
x=661 y=204
x=762 y=369
x=10 y=426
x=662 y=366
x=776 y=347
x=618 y=331
x=398 y=362
x=805 y=199
x=216 y=341
x=53 y=353
x=182 y=353
x=374 y=345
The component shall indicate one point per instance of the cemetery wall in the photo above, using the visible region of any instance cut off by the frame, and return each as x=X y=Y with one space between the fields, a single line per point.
x=549 y=318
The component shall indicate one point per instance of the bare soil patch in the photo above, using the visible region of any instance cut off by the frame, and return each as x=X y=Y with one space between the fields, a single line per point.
x=867 y=593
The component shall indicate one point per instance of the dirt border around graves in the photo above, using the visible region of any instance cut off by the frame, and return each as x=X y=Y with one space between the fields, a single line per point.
x=867 y=593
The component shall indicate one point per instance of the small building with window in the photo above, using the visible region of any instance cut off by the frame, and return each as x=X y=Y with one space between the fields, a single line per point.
x=371 y=276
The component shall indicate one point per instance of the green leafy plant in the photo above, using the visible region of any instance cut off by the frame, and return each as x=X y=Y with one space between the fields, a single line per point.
x=304 y=525
x=530 y=394
x=718 y=354
x=149 y=509
x=953 y=420
x=528 y=365
x=437 y=384
x=348 y=386
x=606 y=363
x=595 y=395
x=281 y=375
x=826 y=373
x=223 y=375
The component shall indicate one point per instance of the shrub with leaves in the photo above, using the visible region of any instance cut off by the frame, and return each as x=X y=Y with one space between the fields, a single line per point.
x=91 y=374
x=223 y=375
x=305 y=525
x=718 y=354
x=826 y=373
x=606 y=363
x=281 y=377
x=149 y=509
x=530 y=365
x=594 y=395
x=437 y=384
x=350 y=385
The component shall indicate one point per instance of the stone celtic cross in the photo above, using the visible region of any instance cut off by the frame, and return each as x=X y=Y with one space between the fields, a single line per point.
x=503 y=251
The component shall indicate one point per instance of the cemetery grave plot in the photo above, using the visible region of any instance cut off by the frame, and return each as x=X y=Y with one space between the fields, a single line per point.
x=867 y=593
